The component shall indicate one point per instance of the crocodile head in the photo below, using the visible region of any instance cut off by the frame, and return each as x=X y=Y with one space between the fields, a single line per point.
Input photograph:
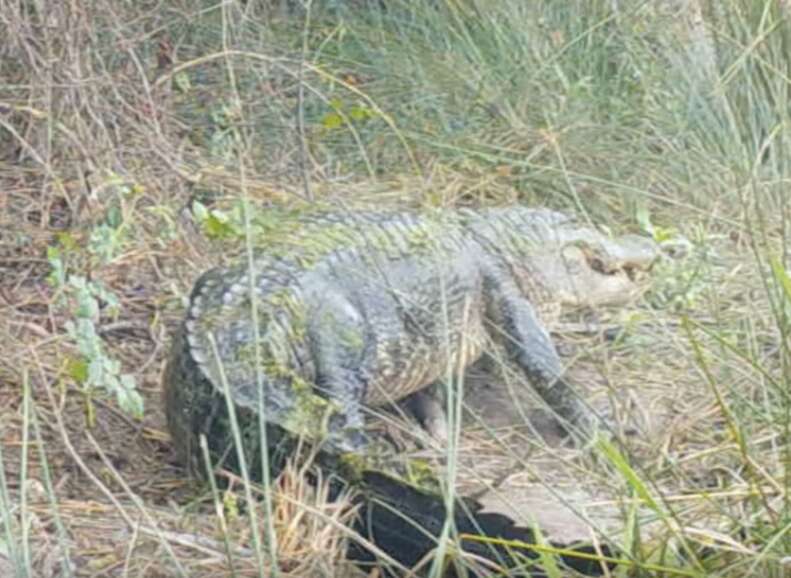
x=583 y=267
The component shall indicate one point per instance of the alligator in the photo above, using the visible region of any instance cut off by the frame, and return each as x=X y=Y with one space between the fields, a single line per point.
x=342 y=311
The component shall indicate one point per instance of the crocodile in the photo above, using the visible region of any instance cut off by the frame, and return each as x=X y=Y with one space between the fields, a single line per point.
x=343 y=311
